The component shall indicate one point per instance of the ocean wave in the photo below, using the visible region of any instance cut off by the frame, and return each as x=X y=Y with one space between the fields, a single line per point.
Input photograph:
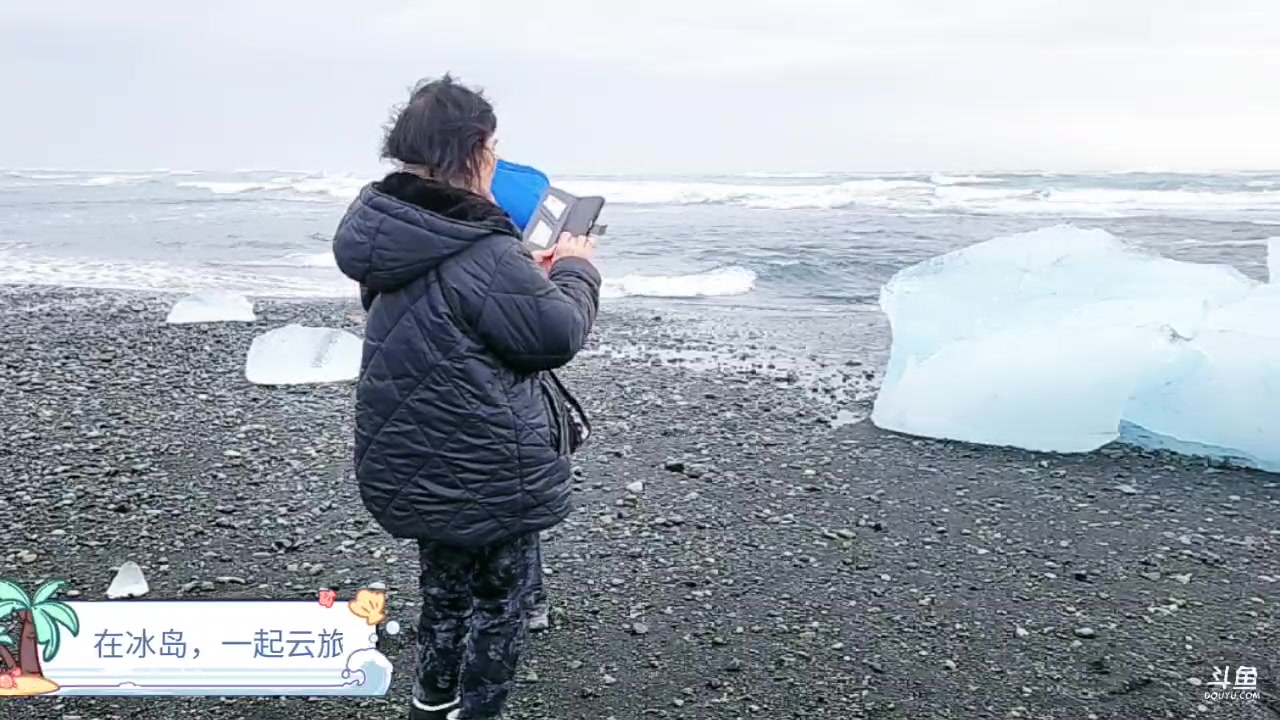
x=223 y=187
x=141 y=275
x=941 y=179
x=1101 y=201
x=766 y=196
x=318 y=260
x=105 y=180
x=1220 y=243
x=335 y=187
x=965 y=195
x=1042 y=194
x=786 y=175
x=294 y=260
x=341 y=187
x=254 y=277
x=76 y=178
x=721 y=282
x=368 y=670
x=727 y=281
x=40 y=175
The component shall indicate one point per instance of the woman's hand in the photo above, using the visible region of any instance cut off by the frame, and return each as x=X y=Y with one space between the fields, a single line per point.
x=574 y=246
x=567 y=246
x=544 y=258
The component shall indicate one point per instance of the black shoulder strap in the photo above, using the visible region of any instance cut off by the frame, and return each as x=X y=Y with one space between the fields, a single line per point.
x=573 y=401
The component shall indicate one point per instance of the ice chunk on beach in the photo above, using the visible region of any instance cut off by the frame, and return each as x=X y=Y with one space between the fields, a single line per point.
x=209 y=306
x=128 y=582
x=1273 y=260
x=1066 y=339
x=296 y=355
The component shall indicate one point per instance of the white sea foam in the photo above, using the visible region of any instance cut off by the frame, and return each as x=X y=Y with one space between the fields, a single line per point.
x=322 y=187
x=104 y=180
x=1045 y=195
x=341 y=187
x=231 y=188
x=1104 y=201
x=941 y=179
x=293 y=260
x=316 y=260
x=873 y=191
x=40 y=175
x=126 y=275
x=943 y=194
x=1218 y=242
x=786 y=175
x=733 y=280
x=256 y=279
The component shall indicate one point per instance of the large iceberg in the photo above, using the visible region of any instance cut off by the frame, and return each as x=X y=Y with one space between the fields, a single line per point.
x=208 y=306
x=296 y=355
x=1065 y=340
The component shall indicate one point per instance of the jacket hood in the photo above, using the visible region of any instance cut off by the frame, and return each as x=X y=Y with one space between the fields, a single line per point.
x=402 y=227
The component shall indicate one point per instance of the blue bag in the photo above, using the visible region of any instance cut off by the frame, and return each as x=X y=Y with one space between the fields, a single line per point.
x=518 y=189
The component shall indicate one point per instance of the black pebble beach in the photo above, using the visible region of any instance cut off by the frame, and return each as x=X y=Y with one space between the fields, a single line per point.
x=733 y=554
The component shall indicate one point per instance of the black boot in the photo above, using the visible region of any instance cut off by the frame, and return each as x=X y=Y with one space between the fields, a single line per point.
x=422 y=711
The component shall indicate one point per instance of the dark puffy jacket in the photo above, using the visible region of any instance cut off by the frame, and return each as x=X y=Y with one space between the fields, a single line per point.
x=457 y=439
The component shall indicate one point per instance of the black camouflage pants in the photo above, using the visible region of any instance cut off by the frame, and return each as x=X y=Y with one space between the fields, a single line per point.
x=473 y=622
x=537 y=594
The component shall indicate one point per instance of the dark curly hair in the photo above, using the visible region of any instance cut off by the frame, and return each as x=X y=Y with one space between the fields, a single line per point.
x=442 y=128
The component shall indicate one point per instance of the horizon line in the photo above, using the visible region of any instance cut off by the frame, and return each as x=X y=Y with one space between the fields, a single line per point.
x=779 y=174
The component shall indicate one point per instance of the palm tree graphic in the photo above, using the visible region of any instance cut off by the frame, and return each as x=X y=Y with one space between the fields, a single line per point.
x=39 y=623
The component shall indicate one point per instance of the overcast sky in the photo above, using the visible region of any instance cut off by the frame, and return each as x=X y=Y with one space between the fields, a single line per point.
x=652 y=85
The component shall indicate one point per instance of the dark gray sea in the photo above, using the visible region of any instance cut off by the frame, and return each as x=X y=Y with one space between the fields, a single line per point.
x=733 y=250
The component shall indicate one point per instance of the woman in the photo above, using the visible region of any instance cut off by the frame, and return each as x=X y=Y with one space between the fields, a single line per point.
x=462 y=433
